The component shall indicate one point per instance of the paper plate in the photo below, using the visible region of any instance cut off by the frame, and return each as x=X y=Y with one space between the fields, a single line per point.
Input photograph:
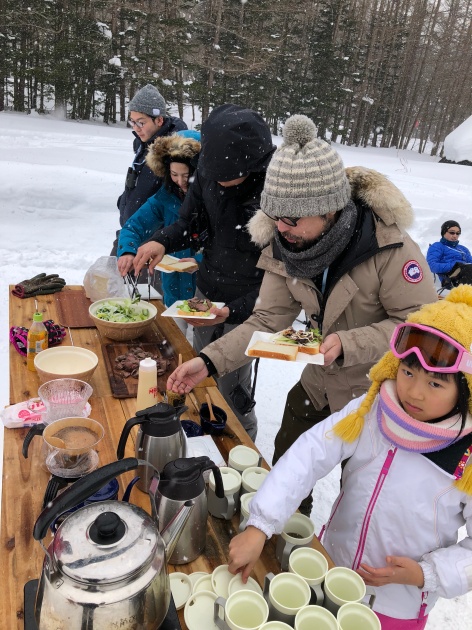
x=172 y=312
x=315 y=359
x=181 y=588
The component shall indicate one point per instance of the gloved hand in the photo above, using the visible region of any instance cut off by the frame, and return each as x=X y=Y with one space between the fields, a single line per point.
x=41 y=284
x=455 y=271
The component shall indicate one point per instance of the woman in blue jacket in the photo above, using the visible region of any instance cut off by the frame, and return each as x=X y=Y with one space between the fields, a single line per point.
x=171 y=158
x=443 y=255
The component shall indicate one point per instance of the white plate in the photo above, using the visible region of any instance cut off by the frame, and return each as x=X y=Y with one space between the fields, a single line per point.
x=172 y=311
x=315 y=359
x=170 y=258
x=181 y=587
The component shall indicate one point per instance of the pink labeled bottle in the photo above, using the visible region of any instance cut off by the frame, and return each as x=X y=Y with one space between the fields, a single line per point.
x=37 y=340
x=147 y=384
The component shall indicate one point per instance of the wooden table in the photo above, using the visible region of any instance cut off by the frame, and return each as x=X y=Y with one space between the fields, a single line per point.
x=24 y=481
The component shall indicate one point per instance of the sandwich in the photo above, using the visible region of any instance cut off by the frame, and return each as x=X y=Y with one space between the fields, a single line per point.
x=195 y=307
x=271 y=350
x=169 y=263
x=307 y=341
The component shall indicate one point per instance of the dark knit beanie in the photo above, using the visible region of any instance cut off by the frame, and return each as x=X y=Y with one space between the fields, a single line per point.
x=306 y=175
x=447 y=225
x=148 y=100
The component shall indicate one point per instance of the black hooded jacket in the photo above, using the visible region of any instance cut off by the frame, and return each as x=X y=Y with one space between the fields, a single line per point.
x=145 y=182
x=235 y=142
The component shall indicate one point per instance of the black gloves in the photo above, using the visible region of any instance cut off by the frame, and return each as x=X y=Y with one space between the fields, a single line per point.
x=41 y=284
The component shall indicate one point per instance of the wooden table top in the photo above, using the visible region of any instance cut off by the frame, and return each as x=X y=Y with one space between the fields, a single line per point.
x=24 y=481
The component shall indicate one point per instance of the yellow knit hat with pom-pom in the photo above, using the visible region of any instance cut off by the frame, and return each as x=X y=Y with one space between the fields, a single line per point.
x=452 y=316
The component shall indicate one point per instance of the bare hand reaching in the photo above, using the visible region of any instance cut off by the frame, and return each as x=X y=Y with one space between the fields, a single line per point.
x=399 y=570
x=125 y=263
x=151 y=251
x=244 y=551
x=187 y=376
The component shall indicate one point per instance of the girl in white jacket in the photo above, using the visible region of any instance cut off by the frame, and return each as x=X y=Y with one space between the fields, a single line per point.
x=407 y=485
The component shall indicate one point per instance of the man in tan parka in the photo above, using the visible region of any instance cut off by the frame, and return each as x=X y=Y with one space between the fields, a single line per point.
x=336 y=248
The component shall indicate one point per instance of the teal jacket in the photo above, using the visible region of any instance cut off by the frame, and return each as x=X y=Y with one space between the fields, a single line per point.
x=159 y=211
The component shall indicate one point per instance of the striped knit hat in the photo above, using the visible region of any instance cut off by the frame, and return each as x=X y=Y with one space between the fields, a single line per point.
x=305 y=176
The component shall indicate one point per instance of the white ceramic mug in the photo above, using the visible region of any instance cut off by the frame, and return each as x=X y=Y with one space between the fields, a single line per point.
x=357 y=617
x=244 y=506
x=241 y=457
x=342 y=586
x=298 y=532
x=226 y=506
x=252 y=479
x=312 y=566
x=286 y=594
x=243 y=610
x=315 y=617
x=275 y=625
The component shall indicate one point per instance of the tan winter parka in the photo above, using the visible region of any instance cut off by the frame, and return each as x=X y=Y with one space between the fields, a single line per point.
x=388 y=281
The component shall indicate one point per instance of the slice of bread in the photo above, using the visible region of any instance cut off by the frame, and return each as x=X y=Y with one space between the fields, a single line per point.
x=169 y=264
x=193 y=313
x=271 y=350
x=311 y=348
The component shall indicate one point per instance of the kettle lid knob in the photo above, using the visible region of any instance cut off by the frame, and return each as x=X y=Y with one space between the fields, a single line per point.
x=108 y=528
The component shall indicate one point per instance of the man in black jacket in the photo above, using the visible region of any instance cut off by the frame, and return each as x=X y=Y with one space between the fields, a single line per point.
x=147 y=116
x=236 y=150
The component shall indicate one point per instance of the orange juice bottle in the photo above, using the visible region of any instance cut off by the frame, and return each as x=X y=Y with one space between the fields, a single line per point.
x=37 y=340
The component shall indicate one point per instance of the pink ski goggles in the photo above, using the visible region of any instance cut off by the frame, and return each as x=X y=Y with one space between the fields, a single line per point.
x=435 y=351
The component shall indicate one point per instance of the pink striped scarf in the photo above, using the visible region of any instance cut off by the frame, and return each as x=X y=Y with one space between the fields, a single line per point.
x=412 y=435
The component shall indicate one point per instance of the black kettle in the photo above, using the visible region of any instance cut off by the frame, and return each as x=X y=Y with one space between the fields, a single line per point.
x=160 y=439
x=182 y=480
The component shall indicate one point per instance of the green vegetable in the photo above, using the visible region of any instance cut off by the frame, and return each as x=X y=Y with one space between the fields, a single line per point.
x=122 y=312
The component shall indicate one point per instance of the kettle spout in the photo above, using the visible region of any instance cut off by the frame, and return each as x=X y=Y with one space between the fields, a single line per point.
x=171 y=531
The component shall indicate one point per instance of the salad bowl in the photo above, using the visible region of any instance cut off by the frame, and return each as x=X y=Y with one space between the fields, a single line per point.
x=122 y=319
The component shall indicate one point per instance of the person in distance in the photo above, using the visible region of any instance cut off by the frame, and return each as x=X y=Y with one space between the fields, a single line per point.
x=448 y=259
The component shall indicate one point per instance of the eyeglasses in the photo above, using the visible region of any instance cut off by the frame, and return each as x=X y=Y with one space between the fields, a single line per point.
x=139 y=124
x=435 y=351
x=453 y=233
x=290 y=221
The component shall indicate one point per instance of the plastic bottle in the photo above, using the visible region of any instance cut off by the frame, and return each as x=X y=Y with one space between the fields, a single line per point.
x=147 y=384
x=37 y=340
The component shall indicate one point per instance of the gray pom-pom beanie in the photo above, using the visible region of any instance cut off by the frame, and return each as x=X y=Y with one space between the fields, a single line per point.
x=148 y=100
x=306 y=175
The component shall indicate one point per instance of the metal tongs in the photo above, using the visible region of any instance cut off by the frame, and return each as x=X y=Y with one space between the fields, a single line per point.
x=132 y=286
x=150 y=275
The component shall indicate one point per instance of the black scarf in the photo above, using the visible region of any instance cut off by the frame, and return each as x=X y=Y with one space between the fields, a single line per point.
x=312 y=261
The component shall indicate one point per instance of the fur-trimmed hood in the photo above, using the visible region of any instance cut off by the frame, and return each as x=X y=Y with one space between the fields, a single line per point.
x=367 y=186
x=164 y=150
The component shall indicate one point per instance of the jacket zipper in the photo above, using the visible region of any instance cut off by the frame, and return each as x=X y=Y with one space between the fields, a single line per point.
x=370 y=508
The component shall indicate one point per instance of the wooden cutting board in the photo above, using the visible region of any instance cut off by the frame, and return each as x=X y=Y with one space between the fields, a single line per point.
x=72 y=309
x=128 y=387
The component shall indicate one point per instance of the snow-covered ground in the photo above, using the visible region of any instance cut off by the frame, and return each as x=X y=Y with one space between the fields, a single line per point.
x=59 y=183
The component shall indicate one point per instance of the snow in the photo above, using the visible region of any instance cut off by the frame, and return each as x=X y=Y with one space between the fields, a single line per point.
x=458 y=144
x=60 y=181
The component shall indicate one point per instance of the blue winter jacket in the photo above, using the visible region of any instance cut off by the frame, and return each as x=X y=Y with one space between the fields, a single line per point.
x=443 y=255
x=159 y=211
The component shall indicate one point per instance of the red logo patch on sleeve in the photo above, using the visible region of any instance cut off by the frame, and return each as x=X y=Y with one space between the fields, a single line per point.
x=412 y=271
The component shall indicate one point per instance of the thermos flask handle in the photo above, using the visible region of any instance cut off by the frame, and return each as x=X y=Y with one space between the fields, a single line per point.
x=120 y=451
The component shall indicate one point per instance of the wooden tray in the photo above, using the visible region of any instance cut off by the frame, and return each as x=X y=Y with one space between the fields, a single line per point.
x=128 y=387
x=72 y=309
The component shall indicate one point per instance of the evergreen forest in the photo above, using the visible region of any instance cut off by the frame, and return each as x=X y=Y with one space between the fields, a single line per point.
x=390 y=73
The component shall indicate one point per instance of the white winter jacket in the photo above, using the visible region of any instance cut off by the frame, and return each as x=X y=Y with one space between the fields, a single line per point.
x=392 y=502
